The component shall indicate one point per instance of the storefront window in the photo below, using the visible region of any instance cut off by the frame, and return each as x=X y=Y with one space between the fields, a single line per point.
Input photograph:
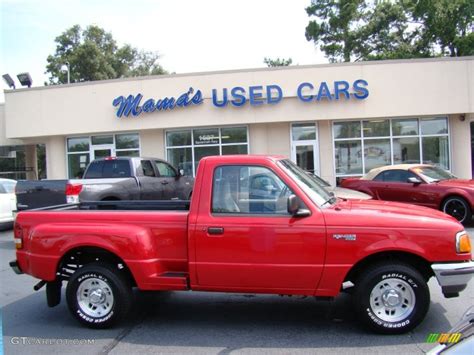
x=185 y=148
x=389 y=141
x=406 y=150
x=348 y=157
x=303 y=132
x=78 y=144
x=376 y=153
x=82 y=150
x=436 y=151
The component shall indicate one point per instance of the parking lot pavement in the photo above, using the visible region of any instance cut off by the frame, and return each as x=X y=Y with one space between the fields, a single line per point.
x=209 y=323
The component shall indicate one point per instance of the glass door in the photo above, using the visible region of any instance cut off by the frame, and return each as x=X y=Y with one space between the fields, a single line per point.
x=303 y=154
x=103 y=151
x=304 y=146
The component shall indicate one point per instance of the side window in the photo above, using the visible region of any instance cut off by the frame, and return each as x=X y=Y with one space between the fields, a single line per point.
x=379 y=177
x=95 y=170
x=2 y=189
x=164 y=169
x=248 y=190
x=116 y=169
x=147 y=168
x=396 y=176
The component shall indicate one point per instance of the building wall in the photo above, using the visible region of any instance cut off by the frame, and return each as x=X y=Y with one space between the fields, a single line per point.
x=3 y=138
x=460 y=146
x=397 y=89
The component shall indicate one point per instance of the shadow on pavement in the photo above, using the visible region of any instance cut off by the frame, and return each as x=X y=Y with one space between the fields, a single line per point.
x=232 y=321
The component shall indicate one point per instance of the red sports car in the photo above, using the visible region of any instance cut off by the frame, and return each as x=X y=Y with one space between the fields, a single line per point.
x=424 y=185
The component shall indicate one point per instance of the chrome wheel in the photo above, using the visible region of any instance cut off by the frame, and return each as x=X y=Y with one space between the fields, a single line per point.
x=456 y=208
x=95 y=297
x=392 y=300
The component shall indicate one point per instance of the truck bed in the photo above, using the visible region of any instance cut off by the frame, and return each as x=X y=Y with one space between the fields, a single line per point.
x=150 y=237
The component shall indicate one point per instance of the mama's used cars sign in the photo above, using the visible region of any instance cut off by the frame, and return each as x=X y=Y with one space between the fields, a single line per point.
x=239 y=96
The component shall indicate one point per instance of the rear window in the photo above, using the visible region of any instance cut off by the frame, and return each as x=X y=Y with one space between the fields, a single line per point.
x=95 y=170
x=116 y=168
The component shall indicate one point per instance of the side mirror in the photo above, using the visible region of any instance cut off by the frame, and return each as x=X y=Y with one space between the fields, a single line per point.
x=294 y=207
x=181 y=172
x=414 y=180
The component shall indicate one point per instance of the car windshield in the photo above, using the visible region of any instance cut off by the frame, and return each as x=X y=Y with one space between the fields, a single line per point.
x=433 y=173
x=308 y=183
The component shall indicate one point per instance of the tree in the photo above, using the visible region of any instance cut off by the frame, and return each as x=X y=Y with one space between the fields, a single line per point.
x=277 y=62
x=348 y=30
x=336 y=27
x=93 y=54
x=447 y=24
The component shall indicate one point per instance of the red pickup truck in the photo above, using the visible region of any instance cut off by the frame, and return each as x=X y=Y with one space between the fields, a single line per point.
x=254 y=224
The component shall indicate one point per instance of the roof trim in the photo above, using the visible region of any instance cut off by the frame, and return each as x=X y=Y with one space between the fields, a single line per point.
x=250 y=70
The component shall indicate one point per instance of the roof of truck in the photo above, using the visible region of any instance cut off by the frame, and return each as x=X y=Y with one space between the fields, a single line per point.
x=250 y=158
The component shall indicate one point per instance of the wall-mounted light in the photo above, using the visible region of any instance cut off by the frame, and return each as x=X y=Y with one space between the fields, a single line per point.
x=462 y=117
x=8 y=79
x=25 y=79
x=66 y=67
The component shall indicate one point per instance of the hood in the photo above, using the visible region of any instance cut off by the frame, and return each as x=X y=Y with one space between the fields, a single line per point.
x=344 y=193
x=386 y=214
x=462 y=183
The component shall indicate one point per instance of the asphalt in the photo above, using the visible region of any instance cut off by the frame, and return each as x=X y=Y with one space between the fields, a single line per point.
x=209 y=323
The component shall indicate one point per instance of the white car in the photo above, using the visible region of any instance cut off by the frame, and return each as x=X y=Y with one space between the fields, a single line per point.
x=7 y=202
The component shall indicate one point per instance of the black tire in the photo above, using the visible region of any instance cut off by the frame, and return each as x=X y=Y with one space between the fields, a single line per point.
x=458 y=208
x=107 y=286
x=391 y=298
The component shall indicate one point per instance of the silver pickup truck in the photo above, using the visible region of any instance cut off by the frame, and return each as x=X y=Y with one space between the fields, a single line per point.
x=109 y=179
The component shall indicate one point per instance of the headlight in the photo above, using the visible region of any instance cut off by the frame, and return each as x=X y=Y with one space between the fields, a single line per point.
x=463 y=243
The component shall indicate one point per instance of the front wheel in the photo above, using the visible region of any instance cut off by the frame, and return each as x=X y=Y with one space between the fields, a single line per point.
x=391 y=298
x=458 y=208
x=98 y=296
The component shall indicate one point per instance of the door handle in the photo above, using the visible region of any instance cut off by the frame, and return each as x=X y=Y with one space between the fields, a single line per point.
x=164 y=182
x=215 y=230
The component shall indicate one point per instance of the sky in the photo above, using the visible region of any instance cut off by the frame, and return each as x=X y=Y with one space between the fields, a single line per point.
x=191 y=36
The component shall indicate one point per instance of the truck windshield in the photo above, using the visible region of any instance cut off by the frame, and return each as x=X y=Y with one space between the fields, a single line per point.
x=308 y=183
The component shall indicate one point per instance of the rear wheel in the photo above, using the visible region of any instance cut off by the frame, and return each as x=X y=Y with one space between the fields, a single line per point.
x=458 y=208
x=391 y=298
x=98 y=296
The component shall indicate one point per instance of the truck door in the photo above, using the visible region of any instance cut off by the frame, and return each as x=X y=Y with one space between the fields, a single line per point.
x=168 y=180
x=150 y=185
x=245 y=239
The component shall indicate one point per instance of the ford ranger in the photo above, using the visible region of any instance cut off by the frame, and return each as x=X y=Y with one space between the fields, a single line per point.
x=238 y=234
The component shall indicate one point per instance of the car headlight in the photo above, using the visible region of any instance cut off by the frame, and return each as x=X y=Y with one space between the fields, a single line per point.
x=463 y=243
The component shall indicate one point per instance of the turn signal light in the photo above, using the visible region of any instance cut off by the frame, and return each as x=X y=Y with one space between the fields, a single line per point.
x=463 y=243
x=18 y=236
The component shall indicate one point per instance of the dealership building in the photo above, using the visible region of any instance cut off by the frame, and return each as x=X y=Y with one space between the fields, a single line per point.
x=336 y=120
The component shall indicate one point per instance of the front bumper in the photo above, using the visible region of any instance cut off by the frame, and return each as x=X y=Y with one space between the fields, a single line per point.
x=453 y=278
x=14 y=265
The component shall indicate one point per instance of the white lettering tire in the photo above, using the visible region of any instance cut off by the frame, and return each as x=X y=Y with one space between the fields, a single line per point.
x=391 y=298
x=98 y=295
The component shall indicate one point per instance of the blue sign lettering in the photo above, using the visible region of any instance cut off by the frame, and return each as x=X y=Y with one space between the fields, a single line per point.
x=131 y=104
x=239 y=96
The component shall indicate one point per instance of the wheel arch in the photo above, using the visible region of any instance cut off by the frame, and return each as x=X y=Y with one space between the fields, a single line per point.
x=454 y=194
x=77 y=257
x=421 y=264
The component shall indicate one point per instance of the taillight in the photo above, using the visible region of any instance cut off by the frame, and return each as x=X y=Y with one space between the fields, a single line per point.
x=72 y=192
x=18 y=236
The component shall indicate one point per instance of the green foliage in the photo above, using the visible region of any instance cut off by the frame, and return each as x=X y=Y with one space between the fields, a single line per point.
x=277 y=62
x=348 y=30
x=93 y=54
